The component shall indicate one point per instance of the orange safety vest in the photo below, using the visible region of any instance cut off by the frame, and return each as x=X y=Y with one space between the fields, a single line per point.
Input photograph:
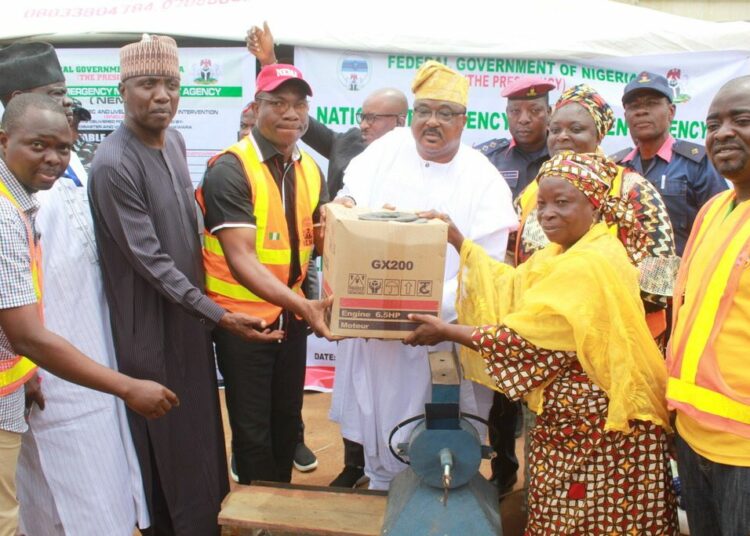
x=695 y=385
x=17 y=371
x=272 y=245
x=656 y=320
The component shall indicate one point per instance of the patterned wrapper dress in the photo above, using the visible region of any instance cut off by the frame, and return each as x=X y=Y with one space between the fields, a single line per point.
x=584 y=480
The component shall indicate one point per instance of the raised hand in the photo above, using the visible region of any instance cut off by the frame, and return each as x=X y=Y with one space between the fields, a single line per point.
x=260 y=44
x=149 y=399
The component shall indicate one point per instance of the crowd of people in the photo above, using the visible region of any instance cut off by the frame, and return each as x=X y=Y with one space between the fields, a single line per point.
x=610 y=294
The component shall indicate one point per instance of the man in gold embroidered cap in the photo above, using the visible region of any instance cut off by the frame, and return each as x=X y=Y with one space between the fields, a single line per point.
x=150 y=254
x=440 y=99
x=422 y=169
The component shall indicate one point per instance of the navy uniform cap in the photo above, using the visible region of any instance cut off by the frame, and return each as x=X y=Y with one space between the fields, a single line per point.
x=528 y=87
x=26 y=66
x=646 y=80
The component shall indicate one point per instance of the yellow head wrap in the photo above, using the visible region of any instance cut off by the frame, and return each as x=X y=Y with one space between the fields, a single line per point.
x=438 y=82
x=593 y=174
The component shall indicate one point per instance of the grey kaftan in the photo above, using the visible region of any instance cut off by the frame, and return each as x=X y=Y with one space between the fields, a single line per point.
x=147 y=233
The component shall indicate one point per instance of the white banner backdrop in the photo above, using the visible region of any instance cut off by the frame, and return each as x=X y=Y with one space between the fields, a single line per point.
x=216 y=83
x=341 y=81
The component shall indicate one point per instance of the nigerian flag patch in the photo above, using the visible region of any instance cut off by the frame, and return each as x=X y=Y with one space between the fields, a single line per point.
x=274 y=236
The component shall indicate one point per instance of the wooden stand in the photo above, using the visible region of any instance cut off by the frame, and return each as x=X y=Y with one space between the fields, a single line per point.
x=285 y=509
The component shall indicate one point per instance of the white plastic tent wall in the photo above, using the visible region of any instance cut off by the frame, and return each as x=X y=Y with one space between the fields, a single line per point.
x=541 y=29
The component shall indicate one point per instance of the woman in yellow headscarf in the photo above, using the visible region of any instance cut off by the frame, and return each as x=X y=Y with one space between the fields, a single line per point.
x=566 y=331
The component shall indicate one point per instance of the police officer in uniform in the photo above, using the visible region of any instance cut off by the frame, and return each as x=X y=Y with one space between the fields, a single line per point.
x=528 y=111
x=519 y=160
x=679 y=169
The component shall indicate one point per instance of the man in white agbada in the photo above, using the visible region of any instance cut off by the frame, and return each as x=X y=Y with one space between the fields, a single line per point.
x=380 y=383
x=77 y=472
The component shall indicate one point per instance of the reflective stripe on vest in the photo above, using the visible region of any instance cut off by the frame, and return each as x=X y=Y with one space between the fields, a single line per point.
x=272 y=244
x=527 y=202
x=695 y=385
x=16 y=371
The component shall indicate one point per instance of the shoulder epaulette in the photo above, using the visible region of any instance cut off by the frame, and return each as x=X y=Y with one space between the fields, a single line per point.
x=619 y=155
x=690 y=150
x=491 y=146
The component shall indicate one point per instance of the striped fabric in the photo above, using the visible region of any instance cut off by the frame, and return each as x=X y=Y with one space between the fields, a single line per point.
x=147 y=235
x=78 y=472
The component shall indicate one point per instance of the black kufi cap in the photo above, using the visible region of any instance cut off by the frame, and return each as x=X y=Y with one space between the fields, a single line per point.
x=25 y=66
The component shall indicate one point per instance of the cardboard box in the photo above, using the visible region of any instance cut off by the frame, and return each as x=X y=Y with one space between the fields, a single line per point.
x=380 y=271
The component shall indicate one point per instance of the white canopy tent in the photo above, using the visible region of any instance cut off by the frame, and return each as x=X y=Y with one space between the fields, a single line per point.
x=539 y=29
x=606 y=37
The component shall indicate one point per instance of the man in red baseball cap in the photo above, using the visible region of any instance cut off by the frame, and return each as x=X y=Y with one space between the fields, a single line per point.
x=260 y=200
x=273 y=76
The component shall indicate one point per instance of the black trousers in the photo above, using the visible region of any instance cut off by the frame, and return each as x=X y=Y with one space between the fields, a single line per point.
x=263 y=385
x=354 y=454
x=504 y=416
